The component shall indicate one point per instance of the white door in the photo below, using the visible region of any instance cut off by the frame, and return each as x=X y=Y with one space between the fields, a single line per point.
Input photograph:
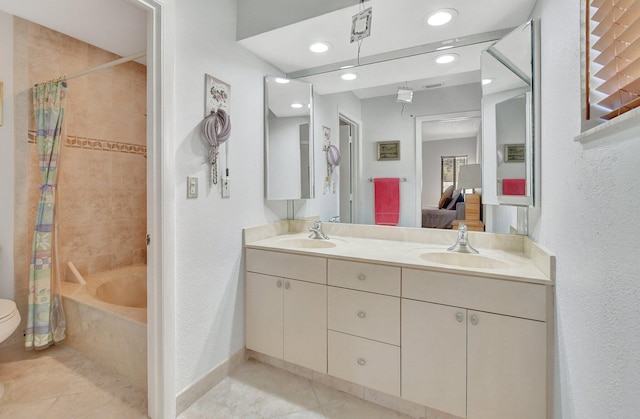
x=434 y=355
x=346 y=173
x=264 y=314
x=305 y=324
x=506 y=367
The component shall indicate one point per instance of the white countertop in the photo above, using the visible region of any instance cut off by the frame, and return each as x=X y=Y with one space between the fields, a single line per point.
x=509 y=265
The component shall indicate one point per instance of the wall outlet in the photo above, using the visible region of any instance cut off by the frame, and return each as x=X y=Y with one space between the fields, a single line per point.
x=226 y=188
x=192 y=187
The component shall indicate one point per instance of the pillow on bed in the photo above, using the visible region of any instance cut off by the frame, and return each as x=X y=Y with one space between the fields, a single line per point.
x=455 y=198
x=446 y=197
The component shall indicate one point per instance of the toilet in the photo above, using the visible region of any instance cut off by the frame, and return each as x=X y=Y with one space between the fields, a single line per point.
x=9 y=321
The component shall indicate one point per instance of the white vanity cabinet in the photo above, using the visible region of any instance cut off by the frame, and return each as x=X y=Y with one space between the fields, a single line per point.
x=286 y=307
x=364 y=324
x=479 y=355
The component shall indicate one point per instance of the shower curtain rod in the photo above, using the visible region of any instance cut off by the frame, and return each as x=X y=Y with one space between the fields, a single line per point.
x=105 y=65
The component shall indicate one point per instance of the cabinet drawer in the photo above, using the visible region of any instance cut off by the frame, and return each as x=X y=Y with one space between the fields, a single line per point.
x=365 y=276
x=304 y=268
x=497 y=296
x=371 y=316
x=369 y=363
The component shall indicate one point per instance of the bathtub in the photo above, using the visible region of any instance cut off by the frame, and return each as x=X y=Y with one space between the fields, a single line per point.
x=107 y=320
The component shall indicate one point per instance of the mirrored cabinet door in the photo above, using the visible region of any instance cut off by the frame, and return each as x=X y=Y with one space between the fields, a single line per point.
x=288 y=139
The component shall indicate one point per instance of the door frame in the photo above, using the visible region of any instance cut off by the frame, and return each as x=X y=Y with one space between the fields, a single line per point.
x=356 y=161
x=160 y=208
x=419 y=121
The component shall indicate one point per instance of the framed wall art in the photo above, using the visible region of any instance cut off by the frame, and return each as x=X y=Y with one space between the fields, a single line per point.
x=514 y=153
x=388 y=150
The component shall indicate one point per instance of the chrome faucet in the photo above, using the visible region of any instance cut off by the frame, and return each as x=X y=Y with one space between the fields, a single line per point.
x=334 y=219
x=316 y=231
x=462 y=245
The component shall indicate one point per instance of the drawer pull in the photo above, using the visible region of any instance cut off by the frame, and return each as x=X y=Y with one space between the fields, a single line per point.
x=474 y=320
x=279 y=284
x=459 y=317
x=286 y=285
x=362 y=277
x=361 y=361
x=362 y=314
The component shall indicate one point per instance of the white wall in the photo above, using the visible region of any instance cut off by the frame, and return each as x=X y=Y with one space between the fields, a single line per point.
x=382 y=121
x=432 y=151
x=283 y=161
x=589 y=219
x=6 y=158
x=209 y=276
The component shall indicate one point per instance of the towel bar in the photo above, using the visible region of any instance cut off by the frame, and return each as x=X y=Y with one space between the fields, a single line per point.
x=403 y=179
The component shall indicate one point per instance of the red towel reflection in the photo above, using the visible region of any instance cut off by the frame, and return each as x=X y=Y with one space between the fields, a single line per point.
x=387 y=200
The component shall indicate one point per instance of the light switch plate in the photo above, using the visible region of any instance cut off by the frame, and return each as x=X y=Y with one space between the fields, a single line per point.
x=192 y=187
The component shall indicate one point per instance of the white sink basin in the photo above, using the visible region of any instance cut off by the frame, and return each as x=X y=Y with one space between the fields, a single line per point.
x=306 y=243
x=464 y=260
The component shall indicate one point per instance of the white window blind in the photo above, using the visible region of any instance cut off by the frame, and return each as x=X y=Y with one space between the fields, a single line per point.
x=613 y=36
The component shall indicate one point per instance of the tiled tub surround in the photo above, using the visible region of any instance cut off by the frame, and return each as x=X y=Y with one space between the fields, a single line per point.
x=113 y=336
x=429 y=334
x=102 y=178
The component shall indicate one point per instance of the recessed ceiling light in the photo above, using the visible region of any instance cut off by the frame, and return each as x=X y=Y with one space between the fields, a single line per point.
x=296 y=105
x=349 y=76
x=441 y=17
x=281 y=80
x=446 y=58
x=486 y=81
x=319 y=47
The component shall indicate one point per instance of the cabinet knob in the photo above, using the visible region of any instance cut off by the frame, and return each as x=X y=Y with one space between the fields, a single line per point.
x=474 y=319
x=362 y=277
x=287 y=285
x=279 y=284
x=362 y=314
x=459 y=317
x=361 y=361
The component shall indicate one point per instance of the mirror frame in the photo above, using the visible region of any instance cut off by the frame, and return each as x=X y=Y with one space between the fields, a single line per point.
x=268 y=187
x=532 y=137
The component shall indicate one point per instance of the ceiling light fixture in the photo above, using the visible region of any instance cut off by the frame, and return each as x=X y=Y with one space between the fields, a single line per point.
x=446 y=58
x=319 y=47
x=444 y=47
x=344 y=67
x=349 y=76
x=486 y=81
x=296 y=105
x=441 y=17
x=280 y=80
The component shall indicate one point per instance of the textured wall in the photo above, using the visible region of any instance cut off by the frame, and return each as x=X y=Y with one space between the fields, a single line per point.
x=589 y=219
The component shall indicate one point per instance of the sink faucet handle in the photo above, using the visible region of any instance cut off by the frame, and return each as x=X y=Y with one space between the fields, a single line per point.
x=463 y=233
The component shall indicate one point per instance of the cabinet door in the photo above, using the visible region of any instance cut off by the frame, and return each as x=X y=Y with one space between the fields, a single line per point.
x=264 y=314
x=434 y=354
x=506 y=367
x=305 y=324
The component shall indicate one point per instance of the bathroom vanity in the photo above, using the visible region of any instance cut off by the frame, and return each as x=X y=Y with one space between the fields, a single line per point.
x=388 y=309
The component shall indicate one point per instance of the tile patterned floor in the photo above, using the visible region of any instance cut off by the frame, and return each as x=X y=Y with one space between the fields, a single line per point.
x=256 y=390
x=61 y=383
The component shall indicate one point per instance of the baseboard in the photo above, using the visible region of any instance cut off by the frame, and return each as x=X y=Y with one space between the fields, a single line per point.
x=189 y=395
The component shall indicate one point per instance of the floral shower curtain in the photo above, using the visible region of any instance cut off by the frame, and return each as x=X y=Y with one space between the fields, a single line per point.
x=45 y=318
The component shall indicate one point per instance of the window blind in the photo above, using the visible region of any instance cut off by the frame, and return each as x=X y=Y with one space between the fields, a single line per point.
x=613 y=34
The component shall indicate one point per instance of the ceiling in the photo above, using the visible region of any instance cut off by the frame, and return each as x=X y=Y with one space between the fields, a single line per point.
x=117 y=26
x=396 y=25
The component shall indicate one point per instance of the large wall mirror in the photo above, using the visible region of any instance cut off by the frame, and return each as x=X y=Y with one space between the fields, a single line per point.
x=357 y=112
x=289 y=145
x=509 y=119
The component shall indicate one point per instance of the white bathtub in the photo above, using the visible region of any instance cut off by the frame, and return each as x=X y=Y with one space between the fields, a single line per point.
x=107 y=320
